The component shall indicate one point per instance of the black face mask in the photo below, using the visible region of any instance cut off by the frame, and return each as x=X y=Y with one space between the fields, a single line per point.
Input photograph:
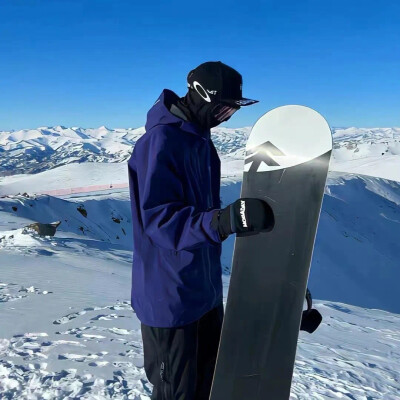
x=206 y=115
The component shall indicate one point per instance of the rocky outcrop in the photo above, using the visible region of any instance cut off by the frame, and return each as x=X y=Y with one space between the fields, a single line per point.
x=45 y=229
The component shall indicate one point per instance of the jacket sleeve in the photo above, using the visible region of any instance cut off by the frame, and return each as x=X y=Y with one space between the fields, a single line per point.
x=167 y=219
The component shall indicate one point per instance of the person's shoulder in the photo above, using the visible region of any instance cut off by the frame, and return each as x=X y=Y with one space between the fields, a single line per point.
x=167 y=130
x=163 y=137
x=168 y=136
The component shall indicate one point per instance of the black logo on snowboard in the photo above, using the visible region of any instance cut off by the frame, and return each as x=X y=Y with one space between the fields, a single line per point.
x=262 y=153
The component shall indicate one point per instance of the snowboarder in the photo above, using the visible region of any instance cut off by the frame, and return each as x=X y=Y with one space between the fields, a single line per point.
x=178 y=227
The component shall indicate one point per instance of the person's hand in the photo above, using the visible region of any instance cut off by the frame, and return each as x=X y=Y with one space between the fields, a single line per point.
x=246 y=216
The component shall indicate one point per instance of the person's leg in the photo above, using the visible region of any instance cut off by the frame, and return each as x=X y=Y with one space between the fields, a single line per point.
x=209 y=333
x=170 y=361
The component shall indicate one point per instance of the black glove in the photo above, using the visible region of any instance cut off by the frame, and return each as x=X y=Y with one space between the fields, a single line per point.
x=310 y=318
x=244 y=217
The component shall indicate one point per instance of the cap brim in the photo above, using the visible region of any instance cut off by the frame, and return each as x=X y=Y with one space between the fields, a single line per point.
x=240 y=102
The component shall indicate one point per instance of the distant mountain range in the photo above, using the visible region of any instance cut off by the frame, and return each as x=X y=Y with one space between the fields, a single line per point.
x=365 y=151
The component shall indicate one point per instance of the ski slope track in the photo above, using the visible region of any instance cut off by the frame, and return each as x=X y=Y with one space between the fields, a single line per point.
x=66 y=326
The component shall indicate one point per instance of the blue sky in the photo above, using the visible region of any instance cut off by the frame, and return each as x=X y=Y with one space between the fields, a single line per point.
x=104 y=62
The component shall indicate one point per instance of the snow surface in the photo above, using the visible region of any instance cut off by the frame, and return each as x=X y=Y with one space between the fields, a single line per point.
x=67 y=330
x=66 y=326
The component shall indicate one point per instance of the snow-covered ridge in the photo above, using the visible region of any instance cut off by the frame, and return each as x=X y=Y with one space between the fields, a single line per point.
x=31 y=151
x=361 y=143
x=368 y=151
x=374 y=152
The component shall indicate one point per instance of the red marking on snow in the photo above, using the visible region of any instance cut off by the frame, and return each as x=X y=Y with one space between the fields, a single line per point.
x=84 y=189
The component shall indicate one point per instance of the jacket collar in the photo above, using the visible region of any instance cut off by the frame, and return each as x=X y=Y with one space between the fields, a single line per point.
x=159 y=114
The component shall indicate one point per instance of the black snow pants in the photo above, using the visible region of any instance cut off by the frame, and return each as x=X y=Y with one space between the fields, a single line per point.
x=180 y=361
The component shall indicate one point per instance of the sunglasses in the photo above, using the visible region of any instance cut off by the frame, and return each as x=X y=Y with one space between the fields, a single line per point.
x=223 y=111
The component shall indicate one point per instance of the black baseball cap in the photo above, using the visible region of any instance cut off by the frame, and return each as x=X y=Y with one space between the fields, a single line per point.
x=216 y=81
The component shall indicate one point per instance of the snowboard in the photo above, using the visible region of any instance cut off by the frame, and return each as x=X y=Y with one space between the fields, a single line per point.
x=286 y=164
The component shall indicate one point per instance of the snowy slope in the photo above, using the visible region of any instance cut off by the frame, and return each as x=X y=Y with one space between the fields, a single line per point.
x=100 y=216
x=67 y=330
x=91 y=176
x=374 y=152
x=355 y=257
x=88 y=174
x=357 y=250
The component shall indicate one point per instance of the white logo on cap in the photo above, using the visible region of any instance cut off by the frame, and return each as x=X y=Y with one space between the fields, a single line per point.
x=204 y=95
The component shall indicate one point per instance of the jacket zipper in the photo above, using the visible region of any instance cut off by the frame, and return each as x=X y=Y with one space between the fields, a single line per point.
x=209 y=273
x=209 y=175
x=210 y=206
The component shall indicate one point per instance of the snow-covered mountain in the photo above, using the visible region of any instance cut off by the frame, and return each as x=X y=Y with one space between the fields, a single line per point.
x=373 y=151
x=37 y=150
x=356 y=253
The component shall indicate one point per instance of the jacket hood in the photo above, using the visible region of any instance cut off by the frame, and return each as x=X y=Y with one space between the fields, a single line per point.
x=159 y=114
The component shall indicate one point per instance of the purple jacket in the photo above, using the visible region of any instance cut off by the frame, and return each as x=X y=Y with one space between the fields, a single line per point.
x=174 y=179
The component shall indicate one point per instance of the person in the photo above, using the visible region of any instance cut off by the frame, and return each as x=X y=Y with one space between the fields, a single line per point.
x=178 y=228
